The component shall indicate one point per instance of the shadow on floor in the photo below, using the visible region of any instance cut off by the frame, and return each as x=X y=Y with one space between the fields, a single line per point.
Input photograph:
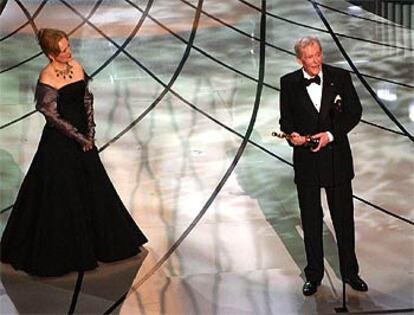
x=100 y=288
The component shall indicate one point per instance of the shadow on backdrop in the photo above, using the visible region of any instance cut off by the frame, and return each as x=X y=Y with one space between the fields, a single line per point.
x=11 y=177
x=270 y=182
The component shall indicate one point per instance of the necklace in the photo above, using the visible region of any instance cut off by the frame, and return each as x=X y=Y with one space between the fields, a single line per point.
x=67 y=72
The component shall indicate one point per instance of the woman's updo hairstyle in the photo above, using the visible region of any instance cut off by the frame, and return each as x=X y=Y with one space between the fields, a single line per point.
x=49 y=40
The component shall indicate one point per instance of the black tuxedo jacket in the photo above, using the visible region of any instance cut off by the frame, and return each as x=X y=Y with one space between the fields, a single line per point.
x=333 y=164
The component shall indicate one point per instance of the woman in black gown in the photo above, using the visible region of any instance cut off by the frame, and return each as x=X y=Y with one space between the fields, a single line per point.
x=67 y=215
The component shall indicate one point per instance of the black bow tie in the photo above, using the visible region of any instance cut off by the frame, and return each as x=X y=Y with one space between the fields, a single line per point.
x=315 y=79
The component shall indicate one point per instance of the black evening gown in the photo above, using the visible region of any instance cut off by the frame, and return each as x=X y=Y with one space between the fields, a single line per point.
x=67 y=215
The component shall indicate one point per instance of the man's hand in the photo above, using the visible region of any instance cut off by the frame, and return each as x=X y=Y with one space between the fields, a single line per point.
x=296 y=139
x=323 y=140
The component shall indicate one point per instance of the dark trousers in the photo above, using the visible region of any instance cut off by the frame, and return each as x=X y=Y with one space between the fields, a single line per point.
x=341 y=207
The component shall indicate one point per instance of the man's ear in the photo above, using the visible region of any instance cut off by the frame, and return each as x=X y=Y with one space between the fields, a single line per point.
x=299 y=61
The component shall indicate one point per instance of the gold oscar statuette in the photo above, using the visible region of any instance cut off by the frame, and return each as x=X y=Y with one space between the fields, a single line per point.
x=310 y=143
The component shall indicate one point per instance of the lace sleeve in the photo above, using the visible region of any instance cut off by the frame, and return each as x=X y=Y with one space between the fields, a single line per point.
x=88 y=101
x=46 y=103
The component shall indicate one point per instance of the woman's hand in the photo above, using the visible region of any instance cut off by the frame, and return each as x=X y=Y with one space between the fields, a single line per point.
x=87 y=146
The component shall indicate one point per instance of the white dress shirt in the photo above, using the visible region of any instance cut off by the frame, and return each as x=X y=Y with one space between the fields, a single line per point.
x=315 y=90
x=315 y=94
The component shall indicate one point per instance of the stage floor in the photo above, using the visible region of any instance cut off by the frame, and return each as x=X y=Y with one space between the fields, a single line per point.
x=186 y=98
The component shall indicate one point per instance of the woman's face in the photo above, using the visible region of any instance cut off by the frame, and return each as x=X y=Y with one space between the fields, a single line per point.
x=65 y=54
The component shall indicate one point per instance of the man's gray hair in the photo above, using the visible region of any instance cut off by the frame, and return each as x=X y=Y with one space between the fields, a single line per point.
x=304 y=42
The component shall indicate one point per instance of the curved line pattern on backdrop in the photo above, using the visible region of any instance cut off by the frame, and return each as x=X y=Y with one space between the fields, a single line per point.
x=167 y=87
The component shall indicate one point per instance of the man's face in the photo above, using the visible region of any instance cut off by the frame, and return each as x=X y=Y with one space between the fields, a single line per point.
x=311 y=59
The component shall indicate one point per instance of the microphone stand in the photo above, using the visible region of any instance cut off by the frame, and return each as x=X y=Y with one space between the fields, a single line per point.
x=343 y=308
x=337 y=109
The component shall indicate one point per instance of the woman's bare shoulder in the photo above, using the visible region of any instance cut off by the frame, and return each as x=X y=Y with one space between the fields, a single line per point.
x=47 y=75
x=77 y=68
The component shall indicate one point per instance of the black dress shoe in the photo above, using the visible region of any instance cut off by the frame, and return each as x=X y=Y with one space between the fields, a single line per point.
x=356 y=283
x=310 y=287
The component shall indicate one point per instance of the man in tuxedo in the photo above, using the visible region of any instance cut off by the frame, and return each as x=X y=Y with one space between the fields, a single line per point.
x=320 y=101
